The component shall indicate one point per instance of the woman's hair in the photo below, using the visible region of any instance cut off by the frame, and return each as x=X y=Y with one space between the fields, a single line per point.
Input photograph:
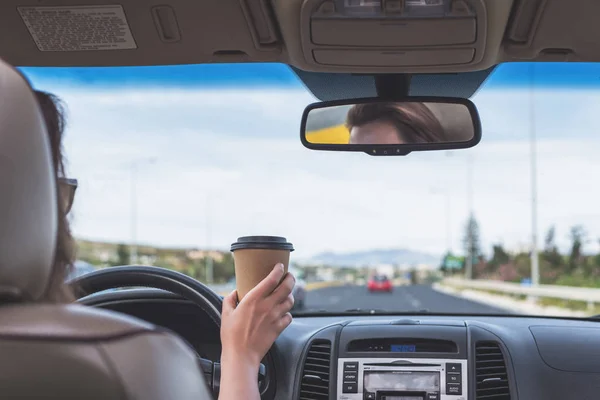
x=414 y=121
x=57 y=291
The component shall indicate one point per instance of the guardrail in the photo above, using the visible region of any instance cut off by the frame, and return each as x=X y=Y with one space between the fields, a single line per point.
x=587 y=295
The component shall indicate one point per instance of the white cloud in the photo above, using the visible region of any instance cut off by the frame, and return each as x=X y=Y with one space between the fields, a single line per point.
x=230 y=163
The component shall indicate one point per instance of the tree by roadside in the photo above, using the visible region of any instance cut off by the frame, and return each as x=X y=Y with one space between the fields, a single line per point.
x=576 y=257
x=122 y=254
x=472 y=240
x=499 y=257
x=551 y=261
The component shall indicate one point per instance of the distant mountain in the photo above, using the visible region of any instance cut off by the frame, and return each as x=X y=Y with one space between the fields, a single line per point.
x=375 y=257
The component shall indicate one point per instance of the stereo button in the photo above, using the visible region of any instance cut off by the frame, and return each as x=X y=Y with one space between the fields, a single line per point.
x=433 y=396
x=454 y=389
x=350 y=377
x=453 y=378
x=350 y=366
x=369 y=396
x=453 y=367
x=350 y=388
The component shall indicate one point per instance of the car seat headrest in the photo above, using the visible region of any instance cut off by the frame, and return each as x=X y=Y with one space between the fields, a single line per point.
x=28 y=200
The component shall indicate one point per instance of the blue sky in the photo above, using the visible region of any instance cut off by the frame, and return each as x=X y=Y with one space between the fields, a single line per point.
x=180 y=76
x=566 y=75
x=228 y=162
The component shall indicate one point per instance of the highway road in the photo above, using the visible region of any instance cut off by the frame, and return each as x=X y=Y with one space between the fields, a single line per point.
x=403 y=298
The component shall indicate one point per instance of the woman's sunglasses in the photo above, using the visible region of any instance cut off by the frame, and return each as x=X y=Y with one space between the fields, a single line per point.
x=67 y=188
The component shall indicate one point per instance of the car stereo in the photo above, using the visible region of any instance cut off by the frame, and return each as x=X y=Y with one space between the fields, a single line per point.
x=401 y=379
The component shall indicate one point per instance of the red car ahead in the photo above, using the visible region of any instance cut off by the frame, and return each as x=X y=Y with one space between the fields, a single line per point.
x=379 y=283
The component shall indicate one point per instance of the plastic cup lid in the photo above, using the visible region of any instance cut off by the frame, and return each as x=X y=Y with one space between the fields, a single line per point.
x=262 y=242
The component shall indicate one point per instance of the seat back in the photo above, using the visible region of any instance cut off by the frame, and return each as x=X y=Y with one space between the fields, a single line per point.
x=65 y=351
x=77 y=352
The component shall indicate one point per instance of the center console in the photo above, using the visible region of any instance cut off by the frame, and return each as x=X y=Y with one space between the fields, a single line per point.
x=403 y=360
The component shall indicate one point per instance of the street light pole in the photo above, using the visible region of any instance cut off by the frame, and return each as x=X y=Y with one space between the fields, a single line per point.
x=133 y=249
x=449 y=212
x=448 y=222
x=133 y=254
x=469 y=260
x=535 y=268
x=209 y=260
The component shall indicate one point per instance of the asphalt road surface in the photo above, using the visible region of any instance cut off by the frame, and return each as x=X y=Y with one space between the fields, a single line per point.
x=403 y=298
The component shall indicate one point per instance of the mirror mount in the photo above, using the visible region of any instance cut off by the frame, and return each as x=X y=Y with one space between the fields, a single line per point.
x=392 y=86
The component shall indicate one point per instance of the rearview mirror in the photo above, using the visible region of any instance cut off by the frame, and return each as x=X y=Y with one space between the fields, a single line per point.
x=380 y=127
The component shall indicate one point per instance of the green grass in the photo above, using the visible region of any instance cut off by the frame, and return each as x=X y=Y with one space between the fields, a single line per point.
x=569 y=304
x=578 y=281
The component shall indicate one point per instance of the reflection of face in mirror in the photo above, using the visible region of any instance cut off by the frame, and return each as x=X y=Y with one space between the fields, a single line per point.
x=393 y=123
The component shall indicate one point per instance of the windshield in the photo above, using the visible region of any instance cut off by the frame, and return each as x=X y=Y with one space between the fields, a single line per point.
x=175 y=163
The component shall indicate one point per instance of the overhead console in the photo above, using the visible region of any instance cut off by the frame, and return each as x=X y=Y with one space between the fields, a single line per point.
x=386 y=33
x=392 y=36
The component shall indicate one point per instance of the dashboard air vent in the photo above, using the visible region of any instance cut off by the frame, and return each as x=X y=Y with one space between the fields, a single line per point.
x=315 y=374
x=490 y=372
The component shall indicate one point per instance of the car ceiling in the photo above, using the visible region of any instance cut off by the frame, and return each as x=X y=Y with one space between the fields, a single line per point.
x=305 y=34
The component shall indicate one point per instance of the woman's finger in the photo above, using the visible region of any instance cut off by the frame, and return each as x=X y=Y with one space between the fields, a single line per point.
x=284 y=322
x=285 y=306
x=284 y=289
x=229 y=303
x=267 y=285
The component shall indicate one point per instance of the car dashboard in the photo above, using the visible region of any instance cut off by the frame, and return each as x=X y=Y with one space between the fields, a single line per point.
x=414 y=357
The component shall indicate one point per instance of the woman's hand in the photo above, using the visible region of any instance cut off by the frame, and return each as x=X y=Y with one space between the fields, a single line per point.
x=249 y=329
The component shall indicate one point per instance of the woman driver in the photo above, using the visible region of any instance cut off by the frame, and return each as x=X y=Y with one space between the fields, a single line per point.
x=393 y=123
x=248 y=329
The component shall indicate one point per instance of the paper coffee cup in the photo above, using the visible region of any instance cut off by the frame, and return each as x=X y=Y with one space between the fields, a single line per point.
x=254 y=258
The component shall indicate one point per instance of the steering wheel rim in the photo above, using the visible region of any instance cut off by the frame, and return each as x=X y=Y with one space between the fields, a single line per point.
x=150 y=277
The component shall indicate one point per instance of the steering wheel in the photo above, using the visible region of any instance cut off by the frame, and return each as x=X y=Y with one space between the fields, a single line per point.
x=165 y=279
x=151 y=277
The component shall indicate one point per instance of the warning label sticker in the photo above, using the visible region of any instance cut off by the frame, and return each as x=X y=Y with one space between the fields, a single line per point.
x=78 y=28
